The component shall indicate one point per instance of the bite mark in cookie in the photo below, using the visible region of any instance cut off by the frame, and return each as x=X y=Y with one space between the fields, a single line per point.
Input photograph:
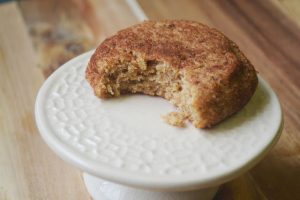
x=195 y=67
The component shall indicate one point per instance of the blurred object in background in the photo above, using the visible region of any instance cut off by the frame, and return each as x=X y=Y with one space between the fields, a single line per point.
x=61 y=30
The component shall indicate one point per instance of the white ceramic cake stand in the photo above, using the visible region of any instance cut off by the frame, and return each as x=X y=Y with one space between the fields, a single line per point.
x=128 y=153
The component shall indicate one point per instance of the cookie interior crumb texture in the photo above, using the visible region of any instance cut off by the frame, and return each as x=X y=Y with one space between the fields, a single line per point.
x=195 y=67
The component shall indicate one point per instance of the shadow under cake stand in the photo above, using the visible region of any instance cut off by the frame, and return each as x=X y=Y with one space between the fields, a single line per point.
x=127 y=152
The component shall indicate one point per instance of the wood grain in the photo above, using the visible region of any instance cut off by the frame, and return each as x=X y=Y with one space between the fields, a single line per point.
x=290 y=8
x=28 y=169
x=37 y=36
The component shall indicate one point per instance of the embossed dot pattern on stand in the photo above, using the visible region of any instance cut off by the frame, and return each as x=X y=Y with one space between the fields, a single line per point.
x=94 y=128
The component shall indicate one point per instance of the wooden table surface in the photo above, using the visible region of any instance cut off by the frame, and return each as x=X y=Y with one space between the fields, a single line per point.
x=37 y=36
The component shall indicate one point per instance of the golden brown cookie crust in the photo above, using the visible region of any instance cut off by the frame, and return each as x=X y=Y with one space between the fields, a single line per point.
x=220 y=77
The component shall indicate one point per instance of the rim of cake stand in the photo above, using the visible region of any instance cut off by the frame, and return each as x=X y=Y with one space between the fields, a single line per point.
x=166 y=183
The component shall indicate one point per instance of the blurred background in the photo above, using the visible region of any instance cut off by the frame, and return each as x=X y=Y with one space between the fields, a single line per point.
x=37 y=36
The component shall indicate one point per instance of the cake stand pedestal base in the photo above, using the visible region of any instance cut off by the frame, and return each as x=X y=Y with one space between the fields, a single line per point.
x=101 y=189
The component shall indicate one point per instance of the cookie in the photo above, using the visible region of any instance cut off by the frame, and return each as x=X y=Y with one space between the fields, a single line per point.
x=195 y=67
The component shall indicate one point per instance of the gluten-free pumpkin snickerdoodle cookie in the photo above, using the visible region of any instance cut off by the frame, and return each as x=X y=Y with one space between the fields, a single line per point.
x=195 y=67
